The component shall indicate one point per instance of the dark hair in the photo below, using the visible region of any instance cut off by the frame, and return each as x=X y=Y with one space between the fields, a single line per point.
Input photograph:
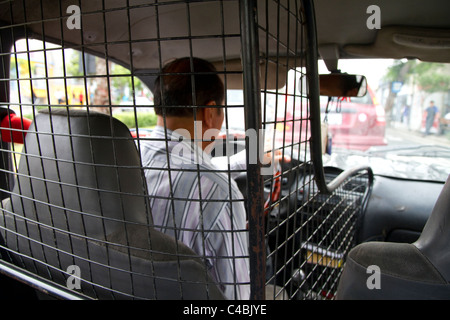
x=173 y=97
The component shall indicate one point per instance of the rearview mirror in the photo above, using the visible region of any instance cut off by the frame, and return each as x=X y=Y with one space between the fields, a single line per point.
x=342 y=85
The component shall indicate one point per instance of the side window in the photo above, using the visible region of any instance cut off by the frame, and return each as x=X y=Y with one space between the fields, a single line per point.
x=44 y=75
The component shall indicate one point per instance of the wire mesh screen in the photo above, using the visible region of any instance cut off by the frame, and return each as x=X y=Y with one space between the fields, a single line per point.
x=308 y=231
x=161 y=150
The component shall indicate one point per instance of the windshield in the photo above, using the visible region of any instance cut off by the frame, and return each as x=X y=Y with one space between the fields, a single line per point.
x=401 y=127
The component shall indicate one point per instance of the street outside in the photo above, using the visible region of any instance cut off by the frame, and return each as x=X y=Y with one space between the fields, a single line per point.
x=408 y=154
x=399 y=135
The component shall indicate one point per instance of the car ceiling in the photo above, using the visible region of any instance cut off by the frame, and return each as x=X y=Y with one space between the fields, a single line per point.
x=409 y=28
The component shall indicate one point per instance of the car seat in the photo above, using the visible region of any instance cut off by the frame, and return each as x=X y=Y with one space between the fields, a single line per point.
x=406 y=271
x=80 y=200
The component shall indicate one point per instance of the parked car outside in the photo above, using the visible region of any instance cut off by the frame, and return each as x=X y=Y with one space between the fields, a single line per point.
x=355 y=123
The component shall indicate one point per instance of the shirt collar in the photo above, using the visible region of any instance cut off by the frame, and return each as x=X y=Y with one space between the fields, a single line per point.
x=174 y=137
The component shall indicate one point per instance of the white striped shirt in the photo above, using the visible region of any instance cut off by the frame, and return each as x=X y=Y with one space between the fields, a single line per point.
x=195 y=202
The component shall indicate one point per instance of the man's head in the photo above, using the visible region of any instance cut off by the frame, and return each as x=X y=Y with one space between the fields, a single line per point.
x=184 y=83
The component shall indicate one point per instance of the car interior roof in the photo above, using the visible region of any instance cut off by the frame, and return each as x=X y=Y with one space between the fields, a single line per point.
x=409 y=29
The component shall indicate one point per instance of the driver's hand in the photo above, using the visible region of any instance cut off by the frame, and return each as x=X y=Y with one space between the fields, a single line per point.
x=277 y=156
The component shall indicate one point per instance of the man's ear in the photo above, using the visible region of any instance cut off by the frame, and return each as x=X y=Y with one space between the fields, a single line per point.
x=208 y=116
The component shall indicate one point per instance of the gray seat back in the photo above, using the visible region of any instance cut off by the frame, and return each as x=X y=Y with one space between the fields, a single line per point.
x=79 y=203
x=435 y=238
x=419 y=270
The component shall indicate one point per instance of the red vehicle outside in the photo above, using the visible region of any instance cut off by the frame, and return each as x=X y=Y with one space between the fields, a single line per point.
x=354 y=123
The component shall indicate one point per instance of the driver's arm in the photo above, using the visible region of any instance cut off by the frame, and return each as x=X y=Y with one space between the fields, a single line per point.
x=237 y=163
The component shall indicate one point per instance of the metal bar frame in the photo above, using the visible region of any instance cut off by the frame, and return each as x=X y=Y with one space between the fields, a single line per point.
x=252 y=102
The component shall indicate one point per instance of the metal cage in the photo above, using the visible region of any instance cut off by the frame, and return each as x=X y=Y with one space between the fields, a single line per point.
x=86 y=214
